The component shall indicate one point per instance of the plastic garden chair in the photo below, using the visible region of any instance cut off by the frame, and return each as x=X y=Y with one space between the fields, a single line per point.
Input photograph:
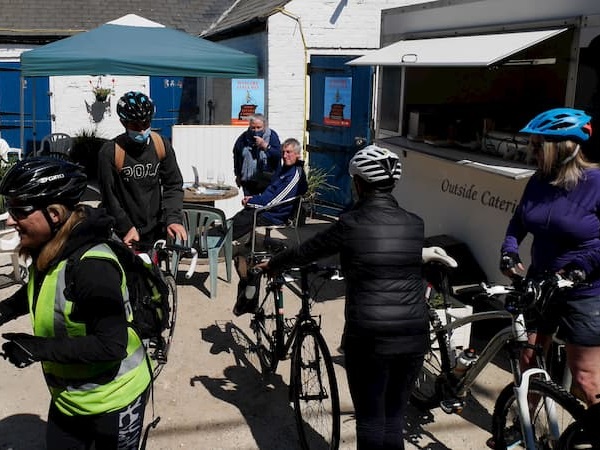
x=292 y=222
x=57 y=145
x=9 y=241
x=200 y=222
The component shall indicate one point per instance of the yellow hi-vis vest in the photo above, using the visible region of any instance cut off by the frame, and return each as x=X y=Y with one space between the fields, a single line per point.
x=85 y=388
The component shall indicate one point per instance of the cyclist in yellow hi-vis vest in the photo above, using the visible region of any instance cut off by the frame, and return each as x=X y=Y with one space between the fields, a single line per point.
x=93 y=362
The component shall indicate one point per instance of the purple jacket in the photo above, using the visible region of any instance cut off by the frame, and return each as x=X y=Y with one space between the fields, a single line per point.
x=565 y=226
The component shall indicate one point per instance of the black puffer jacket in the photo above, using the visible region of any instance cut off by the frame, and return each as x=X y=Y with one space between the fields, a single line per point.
x=380 y=246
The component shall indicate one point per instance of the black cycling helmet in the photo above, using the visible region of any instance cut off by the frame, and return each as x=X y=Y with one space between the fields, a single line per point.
x=135 y=106
x=42 y=181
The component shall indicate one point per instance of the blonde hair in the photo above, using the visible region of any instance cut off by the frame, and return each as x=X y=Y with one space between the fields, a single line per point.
x=69 y=220
x=563 y=163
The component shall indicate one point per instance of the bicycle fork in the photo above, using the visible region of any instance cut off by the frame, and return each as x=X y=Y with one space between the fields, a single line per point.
x=521 y=392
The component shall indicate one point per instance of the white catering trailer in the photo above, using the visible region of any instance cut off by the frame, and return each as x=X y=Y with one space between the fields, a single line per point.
x=455 y=82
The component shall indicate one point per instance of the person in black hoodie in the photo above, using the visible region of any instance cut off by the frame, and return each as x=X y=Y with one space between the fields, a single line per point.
x=143 y=191
x=94 y=364
x=386 y=332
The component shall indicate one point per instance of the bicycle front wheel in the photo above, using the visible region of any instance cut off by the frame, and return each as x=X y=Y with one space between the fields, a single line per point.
x=546 y=399
x=314 y=391
x=159 y=349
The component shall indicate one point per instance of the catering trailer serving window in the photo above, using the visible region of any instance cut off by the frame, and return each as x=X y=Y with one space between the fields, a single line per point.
x=472 y=93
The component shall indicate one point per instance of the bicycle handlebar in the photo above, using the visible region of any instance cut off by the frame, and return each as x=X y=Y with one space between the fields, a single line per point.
x=332 y=271
x=527 y=292
x=162 y=244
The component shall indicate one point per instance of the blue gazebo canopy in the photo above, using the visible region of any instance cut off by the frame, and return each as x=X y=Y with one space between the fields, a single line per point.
x=150 y=49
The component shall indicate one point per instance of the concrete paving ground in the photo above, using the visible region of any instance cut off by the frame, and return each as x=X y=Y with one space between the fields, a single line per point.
x=212 y=396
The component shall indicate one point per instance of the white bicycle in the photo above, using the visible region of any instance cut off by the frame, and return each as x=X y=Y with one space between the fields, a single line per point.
x=532 y=411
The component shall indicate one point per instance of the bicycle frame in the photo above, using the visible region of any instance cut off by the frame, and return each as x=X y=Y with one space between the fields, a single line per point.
x=283 y=341
x=513 y=334
x=493 y=347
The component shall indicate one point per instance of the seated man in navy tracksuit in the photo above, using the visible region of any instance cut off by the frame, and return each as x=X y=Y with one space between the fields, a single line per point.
x=287 y=182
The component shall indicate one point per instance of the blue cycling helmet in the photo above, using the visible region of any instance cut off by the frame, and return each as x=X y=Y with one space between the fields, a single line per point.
x=561 y=124
x=135 y=106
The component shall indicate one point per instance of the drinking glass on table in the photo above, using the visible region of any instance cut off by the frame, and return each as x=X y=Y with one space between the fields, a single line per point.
x=221 y=179
x=210 y=175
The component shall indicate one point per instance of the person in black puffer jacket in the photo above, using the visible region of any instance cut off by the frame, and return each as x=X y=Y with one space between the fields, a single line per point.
x=386 y=332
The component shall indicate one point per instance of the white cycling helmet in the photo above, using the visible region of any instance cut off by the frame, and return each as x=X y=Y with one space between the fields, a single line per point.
x=376 y=165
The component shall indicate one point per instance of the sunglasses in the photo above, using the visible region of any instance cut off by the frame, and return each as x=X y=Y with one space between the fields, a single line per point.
x=21 y=212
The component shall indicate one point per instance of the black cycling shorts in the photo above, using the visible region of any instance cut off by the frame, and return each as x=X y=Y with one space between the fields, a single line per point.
x=577 y=320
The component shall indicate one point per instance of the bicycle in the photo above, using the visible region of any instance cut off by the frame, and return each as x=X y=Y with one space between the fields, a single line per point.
x=160 y=253
x=520 y=416
x=313 y=386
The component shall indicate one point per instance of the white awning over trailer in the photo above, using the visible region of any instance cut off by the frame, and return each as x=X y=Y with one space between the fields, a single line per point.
x=458 y=51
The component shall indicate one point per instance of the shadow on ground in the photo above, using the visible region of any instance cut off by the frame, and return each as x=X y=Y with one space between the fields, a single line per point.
x=199 y=280
x=23 y=432
x=263 y=399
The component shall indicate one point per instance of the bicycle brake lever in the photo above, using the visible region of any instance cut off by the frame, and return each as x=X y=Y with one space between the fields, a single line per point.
x=161 y=243
x=337 y=276
x=497 y=290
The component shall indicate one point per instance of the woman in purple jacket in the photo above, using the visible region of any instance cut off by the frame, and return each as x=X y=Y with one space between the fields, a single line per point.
x=560 y=207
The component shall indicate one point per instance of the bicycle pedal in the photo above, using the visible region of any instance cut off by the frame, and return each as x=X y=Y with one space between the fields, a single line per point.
x=451 y=406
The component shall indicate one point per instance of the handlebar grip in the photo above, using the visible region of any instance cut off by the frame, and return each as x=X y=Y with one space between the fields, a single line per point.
x=193 y=263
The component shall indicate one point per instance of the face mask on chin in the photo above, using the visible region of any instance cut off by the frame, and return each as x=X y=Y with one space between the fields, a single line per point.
x=141 y=137
x=258 y=133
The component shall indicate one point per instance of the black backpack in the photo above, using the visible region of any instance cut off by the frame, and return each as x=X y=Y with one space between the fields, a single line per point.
x=148 y=292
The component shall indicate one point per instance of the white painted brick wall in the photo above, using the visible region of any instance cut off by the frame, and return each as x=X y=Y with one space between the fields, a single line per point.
x=328 y=29
x=286 y=77
x=74 y=107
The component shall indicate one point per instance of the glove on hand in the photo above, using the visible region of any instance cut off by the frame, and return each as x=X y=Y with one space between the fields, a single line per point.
x=509 y=260
x=574 y=273
x=18 y=349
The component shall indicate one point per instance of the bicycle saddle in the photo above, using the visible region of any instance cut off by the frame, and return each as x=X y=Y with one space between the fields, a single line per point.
x=438 y=254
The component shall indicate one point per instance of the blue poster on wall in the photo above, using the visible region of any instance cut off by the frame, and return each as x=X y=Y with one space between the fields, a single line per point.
x=247 y=98
x=338 y=101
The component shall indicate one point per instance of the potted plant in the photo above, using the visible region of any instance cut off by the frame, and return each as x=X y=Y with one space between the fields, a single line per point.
x=86 y=145
x=317 y=179
x=101 y=93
